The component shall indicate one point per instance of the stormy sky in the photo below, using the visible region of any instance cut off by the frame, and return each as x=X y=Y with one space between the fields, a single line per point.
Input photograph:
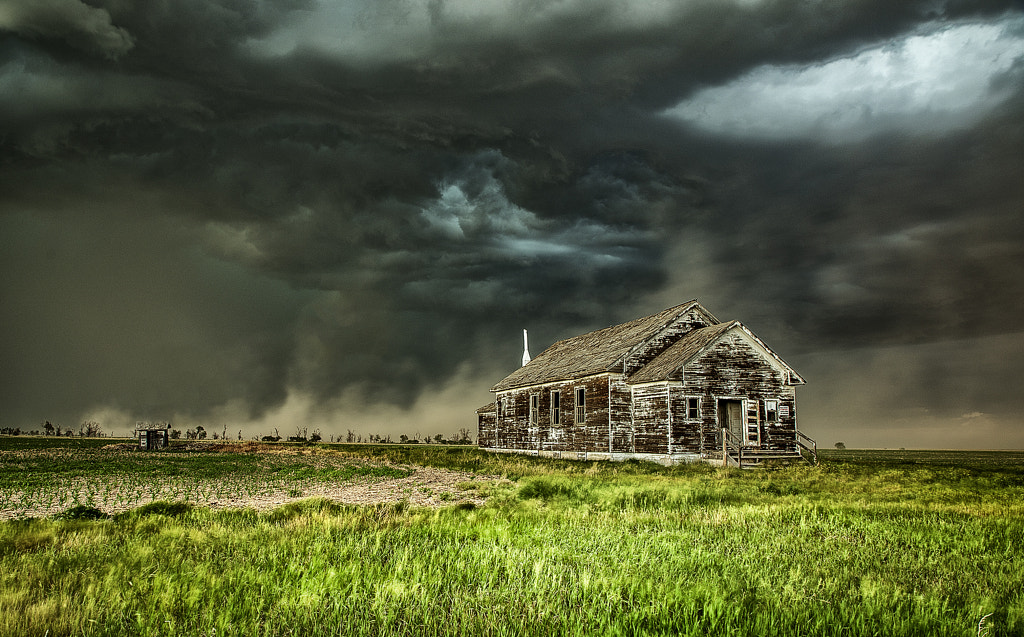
x=340 y=215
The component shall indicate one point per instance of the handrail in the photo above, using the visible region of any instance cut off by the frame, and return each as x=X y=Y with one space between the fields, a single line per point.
x=812 y=448
x=728 y=440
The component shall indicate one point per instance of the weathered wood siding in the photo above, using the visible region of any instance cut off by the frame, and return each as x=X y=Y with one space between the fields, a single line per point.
x=735 y=369
x=620 y=414
x=670 y=334
x=515 y=431
x=593 y=434
x=686 y=431
x=512 y=431
x=661 y=421
x=780 y=434
x=651 y=419
x=486 y=428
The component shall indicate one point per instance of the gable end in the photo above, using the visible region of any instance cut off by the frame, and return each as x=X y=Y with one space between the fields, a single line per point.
x=670 y=363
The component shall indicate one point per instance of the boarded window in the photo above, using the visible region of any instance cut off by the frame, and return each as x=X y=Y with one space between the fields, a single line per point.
x=556 y=408
x=534 y=408
x=581 y=405
x=693 y=408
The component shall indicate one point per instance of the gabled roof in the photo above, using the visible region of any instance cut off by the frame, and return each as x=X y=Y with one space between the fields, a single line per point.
x=679 y=353
x=666 y=365
x=594 y=352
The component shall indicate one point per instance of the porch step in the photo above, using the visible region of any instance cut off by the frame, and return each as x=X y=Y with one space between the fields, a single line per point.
x=753 y=458
x=734 y=454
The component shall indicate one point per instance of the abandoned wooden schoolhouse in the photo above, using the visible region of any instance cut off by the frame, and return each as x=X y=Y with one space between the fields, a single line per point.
x=676 y=386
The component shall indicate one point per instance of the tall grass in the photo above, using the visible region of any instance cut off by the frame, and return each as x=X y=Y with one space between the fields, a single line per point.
x=569 y=548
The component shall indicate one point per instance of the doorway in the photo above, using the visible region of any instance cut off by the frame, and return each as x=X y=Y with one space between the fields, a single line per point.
x=730 y=417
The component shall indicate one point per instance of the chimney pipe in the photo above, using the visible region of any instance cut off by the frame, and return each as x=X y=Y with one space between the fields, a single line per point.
x=526 y=349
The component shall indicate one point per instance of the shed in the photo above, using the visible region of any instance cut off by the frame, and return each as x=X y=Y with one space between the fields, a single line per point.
x=679 y=385
x=152 y=438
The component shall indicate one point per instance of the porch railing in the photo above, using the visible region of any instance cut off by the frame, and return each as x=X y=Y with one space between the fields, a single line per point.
x=732 y=449
x=806 y=443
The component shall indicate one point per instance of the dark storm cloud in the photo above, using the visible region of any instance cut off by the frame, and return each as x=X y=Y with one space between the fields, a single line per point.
x=71 y=22
x=363 y=199
x=903 y=239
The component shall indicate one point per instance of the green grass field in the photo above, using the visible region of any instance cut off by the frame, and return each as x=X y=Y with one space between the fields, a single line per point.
x=867 y=543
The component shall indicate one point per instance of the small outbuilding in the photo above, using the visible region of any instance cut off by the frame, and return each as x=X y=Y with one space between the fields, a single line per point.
x=675 y=386
x=153 y=437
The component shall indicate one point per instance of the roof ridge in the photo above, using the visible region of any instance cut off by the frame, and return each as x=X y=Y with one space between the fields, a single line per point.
x=682 y=307
x=595 y=351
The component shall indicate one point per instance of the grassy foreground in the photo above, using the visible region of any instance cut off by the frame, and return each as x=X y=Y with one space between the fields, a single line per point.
x=856 y=546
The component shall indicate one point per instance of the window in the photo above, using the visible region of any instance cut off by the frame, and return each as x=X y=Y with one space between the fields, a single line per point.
x=693 y=408
x=499 y=411
x=534 y=408
x=581 y=405
x=771 y=409
x=556 y=408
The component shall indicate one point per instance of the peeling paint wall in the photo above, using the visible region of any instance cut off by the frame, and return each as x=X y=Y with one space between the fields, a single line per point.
x=486 y=429
x=620 y=414
x=516 y=431
x=733 y=368
x=651 y=418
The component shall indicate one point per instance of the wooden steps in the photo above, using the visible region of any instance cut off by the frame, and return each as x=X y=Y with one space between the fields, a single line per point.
x=737 y=455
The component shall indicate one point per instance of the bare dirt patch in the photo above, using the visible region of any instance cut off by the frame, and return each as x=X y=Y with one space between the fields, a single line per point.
x=425 y=487
x=122 y=491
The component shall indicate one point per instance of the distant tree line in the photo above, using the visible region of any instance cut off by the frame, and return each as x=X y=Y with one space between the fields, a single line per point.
x=463 y=437
x=88 y=429
x=92 y=429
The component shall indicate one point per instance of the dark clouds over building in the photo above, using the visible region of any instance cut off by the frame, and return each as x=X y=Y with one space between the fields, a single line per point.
x=264 y=213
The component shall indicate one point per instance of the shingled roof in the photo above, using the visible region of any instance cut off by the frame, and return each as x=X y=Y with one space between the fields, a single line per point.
x=679 y=353
x=591 y=353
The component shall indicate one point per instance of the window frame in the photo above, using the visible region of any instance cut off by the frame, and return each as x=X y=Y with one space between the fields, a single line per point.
x=534 y=409
x=580 y=397
x=690 y=408
x=556 y=408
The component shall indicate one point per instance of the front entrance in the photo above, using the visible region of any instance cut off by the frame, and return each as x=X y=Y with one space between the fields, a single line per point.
x=730 y=417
